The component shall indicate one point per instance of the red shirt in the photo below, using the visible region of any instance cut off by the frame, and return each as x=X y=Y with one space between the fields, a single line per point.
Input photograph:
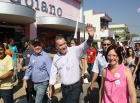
x=91 y=53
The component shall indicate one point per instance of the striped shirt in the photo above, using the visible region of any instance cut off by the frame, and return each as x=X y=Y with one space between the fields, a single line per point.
x=67 y=66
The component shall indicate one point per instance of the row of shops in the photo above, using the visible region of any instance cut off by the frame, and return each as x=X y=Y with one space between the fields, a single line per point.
x=40 y=18
x=47 y=18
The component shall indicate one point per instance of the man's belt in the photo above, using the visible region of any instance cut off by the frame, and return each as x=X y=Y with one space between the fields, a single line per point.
x=68 y=86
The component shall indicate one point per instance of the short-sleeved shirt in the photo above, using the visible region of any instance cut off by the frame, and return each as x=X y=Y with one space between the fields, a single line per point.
x=99 y=64
x=6 y=65
x=26 y=56
x=91 y=53
x=137 y=53
x=13 y=49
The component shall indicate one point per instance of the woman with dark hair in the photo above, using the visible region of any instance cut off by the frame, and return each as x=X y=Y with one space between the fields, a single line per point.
x=131 y=60
x=117 y=82
x=13 y=48
x=73 y=42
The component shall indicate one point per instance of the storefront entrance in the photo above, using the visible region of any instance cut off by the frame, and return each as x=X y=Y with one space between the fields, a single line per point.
x=47 y=37
x=14 y=31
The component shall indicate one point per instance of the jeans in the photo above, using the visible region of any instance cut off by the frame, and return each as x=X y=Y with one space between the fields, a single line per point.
x=138 y=77
x=89 y=69
x=30 y=92
x=7 y=95
x=81 y=98
x=41 y=89
x=71 y=93
x=15 y=76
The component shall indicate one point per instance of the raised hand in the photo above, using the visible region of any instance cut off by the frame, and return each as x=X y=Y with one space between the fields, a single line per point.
x=90 y=30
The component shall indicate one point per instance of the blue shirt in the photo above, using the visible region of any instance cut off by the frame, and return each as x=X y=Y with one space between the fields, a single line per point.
x=99 y=64
x=39 y=67
x=13 y=49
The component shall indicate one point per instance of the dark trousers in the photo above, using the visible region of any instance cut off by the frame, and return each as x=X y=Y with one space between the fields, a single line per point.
x=30 y=92
x=7 y=95
x=71 y=93
x=99 y=80
x=138 y=77
x=89 y=69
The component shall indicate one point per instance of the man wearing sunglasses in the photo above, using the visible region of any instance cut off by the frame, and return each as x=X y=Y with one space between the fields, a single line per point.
x=100 y=63
x=39 y=70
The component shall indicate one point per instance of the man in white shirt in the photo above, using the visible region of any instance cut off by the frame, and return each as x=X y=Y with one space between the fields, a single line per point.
x=100 y=63
x=66 y=63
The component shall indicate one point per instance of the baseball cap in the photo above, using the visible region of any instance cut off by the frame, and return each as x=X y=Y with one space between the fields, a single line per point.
x=36 y=40
x=24 y=39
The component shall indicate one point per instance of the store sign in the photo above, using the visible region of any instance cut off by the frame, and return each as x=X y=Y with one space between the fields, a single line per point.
x=51 y=9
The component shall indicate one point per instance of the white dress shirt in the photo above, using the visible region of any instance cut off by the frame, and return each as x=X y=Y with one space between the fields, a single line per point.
x=67 y=66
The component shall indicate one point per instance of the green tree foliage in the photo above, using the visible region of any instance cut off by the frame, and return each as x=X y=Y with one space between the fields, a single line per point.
x=135 y=35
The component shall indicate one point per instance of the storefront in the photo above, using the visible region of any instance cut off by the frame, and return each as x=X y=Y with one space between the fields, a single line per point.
x=43 y=18
x=13 y=20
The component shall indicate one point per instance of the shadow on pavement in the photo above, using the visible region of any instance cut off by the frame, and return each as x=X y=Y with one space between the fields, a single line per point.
x=55 y=100
x=92 y=96
x=20 y=98
x=17 y=87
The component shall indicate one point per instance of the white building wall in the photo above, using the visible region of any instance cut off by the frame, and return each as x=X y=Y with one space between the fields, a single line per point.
x=95 y=21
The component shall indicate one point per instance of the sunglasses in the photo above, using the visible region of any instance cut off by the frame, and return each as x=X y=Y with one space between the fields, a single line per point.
x=106 y=44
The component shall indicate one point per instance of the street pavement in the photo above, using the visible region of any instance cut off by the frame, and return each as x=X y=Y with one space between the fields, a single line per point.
x=89 y=96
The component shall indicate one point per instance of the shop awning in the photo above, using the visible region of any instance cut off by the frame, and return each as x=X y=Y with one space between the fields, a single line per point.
x=15 y=13
x=59 y=23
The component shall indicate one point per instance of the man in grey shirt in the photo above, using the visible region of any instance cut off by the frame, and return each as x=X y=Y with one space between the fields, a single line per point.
x=100 y=63
x=26 y=57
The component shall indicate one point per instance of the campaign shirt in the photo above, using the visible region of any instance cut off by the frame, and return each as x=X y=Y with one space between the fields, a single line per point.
x=91 y=54
x=67 y=65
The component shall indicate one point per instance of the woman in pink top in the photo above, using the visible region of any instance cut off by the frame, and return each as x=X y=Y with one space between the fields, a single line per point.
x=117 y=83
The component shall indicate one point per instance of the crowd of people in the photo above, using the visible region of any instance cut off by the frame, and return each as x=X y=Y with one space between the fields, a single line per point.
x=115 y=68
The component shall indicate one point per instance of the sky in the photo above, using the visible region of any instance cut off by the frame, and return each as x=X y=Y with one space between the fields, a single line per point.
x=121 y=11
